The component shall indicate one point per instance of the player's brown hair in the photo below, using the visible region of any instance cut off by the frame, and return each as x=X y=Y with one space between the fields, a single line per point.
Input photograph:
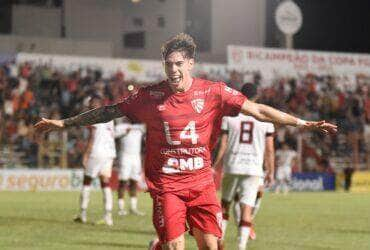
x=249 y=90
x=183 y=43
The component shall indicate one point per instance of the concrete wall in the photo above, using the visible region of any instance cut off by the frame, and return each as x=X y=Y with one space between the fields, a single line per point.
x=36 y=21
x=240 y=22
x=14 y=44
x=109 y=20
x=173 y=12
x=243 y=24
x=96 y=20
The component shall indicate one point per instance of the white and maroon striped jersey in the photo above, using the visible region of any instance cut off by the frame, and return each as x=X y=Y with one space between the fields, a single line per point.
x=246 y=144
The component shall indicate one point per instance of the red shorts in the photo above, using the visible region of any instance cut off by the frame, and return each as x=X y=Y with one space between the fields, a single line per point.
x=198 y=207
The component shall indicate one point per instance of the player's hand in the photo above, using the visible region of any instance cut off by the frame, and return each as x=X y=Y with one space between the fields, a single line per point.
x=47 y=125
x=269 y=179
x=322 y=126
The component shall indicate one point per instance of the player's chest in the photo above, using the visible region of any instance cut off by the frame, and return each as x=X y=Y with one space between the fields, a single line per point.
x=179 y=111
x=183 y=120
x=105 y=130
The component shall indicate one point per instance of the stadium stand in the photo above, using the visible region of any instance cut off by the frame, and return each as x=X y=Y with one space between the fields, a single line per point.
x=28 y=92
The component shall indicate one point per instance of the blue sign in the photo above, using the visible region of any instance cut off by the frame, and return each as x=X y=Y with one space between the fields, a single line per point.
x=312 y=182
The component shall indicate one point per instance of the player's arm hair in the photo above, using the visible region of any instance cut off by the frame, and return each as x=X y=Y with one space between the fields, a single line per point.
x=266 y=113
x=269 y=157
x=221 y=150
x=93 y=116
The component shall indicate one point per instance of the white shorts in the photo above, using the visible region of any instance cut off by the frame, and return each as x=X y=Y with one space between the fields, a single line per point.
x=283 y=173
x=130 y=167
x=246 y=185
x=99 y=166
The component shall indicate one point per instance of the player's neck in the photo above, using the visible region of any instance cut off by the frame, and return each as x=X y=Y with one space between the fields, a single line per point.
x=185 y=86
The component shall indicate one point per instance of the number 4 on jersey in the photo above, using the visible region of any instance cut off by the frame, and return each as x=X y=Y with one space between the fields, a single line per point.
x=188 y=133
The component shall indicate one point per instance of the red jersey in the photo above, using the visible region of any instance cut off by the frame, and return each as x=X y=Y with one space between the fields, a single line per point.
x=182 y=129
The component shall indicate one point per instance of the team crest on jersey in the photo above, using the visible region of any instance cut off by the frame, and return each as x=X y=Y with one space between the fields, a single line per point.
x=198 y=105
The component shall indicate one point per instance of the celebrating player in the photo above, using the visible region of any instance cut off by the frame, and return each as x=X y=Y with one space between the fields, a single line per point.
x=130 y=163
x=244 y=142
x=183 y=120
x=97 y=161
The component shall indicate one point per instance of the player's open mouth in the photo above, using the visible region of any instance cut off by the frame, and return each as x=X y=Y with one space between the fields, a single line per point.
x=175 y=79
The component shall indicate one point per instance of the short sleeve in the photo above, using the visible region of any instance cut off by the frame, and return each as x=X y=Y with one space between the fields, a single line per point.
x=132 y=105
x=232 y=100
x=224 y=124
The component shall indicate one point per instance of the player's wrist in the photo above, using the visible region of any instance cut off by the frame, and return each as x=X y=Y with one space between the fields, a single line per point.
x=66 y=123
x=300 y=123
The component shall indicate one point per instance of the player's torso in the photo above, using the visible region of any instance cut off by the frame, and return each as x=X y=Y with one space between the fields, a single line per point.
x=246 y=145
x=179 y=127
x=285 y=158
x=103 y=143
x=131 y=142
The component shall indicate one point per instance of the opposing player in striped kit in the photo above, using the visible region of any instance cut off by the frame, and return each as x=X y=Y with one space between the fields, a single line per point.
x=131 y=136
x=97 y=161
x=246 y=144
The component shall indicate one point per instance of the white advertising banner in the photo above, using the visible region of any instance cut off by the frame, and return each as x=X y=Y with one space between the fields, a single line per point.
x=134 y=70
x=272 y=63
x=41 y=180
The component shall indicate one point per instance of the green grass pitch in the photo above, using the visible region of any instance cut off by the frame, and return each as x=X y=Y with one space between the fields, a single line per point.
x=43 y=220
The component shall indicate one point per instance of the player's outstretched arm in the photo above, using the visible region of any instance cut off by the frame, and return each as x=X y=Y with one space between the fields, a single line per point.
x=98 y=115
x=268 y=114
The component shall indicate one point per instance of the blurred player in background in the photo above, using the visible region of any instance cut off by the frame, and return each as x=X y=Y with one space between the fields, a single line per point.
x=286 y=158
x=131 y=136
x=245 y=142
x=183 y=120
x=97 y=161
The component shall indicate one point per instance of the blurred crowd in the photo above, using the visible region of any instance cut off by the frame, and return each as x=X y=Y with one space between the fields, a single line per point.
x=28 y=92
x=314 y=97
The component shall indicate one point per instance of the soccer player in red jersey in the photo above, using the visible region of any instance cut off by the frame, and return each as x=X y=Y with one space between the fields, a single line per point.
x=183 y=117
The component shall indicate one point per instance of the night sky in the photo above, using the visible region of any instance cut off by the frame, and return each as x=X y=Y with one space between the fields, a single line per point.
x=334 y=25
